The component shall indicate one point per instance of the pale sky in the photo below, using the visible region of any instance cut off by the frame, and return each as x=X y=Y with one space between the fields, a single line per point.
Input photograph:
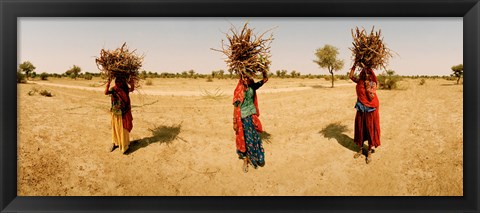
x=426 y=46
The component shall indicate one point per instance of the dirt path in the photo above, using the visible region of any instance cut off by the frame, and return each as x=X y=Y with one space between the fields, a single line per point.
x=147 y=91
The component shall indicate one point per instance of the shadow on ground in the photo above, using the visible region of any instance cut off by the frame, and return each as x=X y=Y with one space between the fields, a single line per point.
x=161 y=134
x=336 y=131
x=266 y=137
x=318 y=86
x=452 y=84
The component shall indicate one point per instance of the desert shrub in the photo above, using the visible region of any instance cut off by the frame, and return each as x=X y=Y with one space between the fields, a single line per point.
x=33 y=75
x=32 y=91
x=88 y=76
x=21 y=77
x=46 y=93
x=388 y=81
x=209 y=79
x=143 y=75
x=44 y=76
x=328 y=78
x=422 y=82
x=149 y=82
x=450 y=78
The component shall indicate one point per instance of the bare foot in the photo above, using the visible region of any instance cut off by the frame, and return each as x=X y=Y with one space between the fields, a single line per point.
x=358 y=154
x=369 y=157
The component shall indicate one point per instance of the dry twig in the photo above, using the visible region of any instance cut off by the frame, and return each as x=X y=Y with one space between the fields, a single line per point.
x=369 y=50
x=120 y=62
x=246 y=52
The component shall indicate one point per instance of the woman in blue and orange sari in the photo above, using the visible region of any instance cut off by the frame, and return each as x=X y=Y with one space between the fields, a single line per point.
x=246 y=123
x=367 y=119
x=121 y=112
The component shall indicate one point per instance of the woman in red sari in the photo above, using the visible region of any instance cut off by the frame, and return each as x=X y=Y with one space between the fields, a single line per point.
x=121 y=112
x=367 y=119
x=246 y=123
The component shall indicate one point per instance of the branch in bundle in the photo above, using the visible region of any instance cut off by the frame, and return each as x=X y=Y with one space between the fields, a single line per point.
x=247 y=54
x=369 y=50
x=120 y=63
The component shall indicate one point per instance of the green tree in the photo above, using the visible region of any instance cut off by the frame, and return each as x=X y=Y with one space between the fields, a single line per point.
x=293 y=73
x=184 y=74
x=457 y=72
x=327 y=58
x=191 y=73
x=73 y=72
x=20 y=77
x=221 y=73
x=143 y=75
x=26 y=67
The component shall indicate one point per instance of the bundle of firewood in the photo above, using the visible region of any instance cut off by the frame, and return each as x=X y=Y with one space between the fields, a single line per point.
x=120 y=63
x=247 y=54
x=369 y=50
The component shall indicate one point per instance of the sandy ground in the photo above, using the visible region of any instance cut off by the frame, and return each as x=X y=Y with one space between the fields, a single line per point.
x=185 y=142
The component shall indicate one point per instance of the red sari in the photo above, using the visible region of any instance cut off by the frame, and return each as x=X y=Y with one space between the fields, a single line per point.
x=367 y=124
x=239 y=95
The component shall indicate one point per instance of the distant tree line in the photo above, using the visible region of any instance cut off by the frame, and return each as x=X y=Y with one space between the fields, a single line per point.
x=26 y=71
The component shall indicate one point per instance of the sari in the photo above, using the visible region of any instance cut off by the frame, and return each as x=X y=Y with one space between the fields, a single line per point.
x=121 y=117
x=247 y=139
x=367 y=122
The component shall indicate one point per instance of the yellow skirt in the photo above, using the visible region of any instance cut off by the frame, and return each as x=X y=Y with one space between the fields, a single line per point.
x=120 y=136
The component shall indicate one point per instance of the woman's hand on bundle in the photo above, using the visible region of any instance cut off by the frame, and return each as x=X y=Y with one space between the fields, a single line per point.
x=265 y=77
x=108 y=85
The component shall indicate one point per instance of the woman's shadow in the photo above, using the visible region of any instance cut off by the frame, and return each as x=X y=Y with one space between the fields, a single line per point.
x=160 y=134
x=336 y=130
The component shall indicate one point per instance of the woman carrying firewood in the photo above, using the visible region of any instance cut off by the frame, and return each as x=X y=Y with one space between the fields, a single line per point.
x=122 y=65
x=246 y=123
x=369 y=53
x=121 y=112
x=247 y=54
x=367 y=119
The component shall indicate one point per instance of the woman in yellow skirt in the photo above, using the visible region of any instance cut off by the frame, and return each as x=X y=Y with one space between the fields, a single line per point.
x=121 y=112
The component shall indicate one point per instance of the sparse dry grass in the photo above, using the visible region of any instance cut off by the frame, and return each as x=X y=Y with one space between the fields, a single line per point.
x=62 y=139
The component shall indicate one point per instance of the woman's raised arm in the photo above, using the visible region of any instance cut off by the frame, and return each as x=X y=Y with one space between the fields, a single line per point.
x=351 y=74
x=107 y=87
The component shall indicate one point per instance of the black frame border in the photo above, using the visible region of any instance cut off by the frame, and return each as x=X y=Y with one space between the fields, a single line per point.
x=10 y=10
